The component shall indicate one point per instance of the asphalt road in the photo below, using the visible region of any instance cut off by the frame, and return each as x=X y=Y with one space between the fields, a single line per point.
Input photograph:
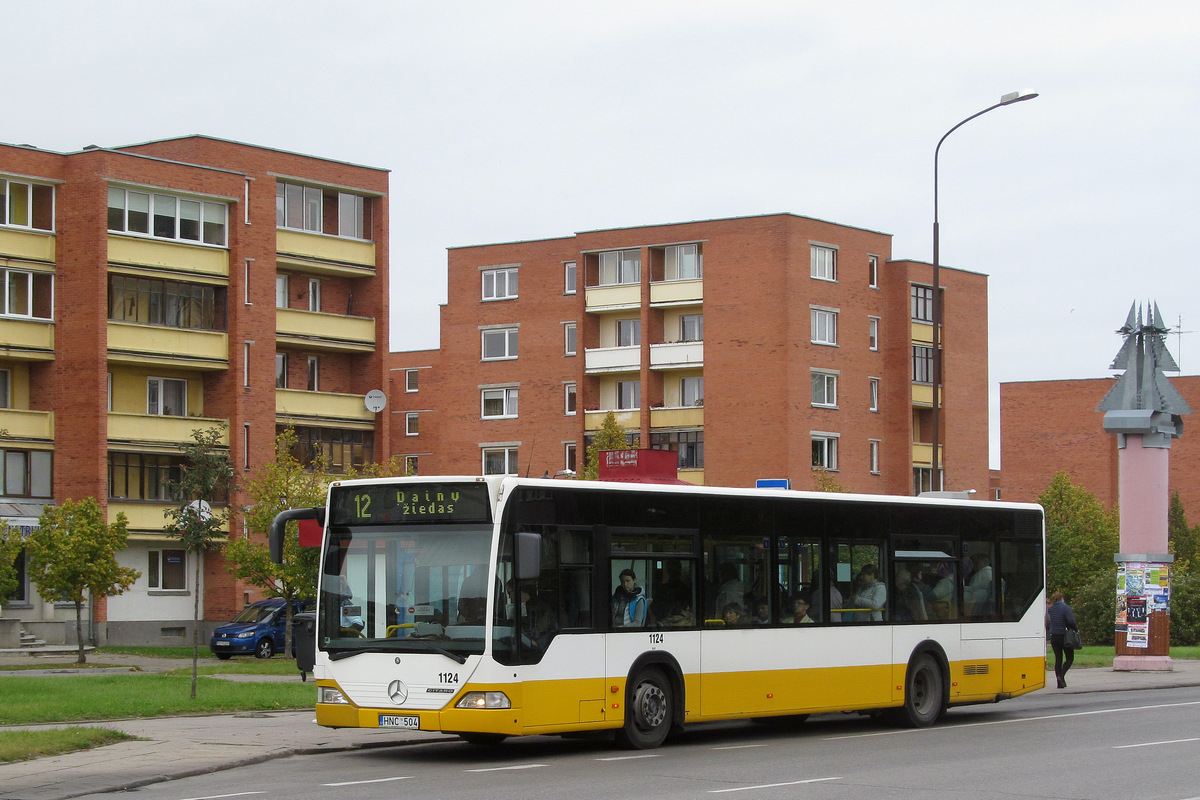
x=1097 y=746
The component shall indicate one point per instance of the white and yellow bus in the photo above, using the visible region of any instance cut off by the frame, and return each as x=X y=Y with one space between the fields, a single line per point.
x=503 y=606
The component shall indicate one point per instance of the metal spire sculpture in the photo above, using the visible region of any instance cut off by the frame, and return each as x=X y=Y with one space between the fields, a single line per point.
x=1144 y=356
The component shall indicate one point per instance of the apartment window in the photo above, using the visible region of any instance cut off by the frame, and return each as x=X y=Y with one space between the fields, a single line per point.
x=410 y=465
x=873 y=272
x=923 y=479
x=824 y=450
x=246 y=446
x=167 y=569
x=569 y=399
x=410 y=380
x=873 y=333
x=109 y=409
x=688 y=444
x=27 y=294
x=921 y=299
x=620 y=266
x=823 y=262
x=246 y=281
x=569 y=461
x=143 y=476
x=5 y=388
x=569 y=277
x=874 y=394
x=24 y=204
x=922 y=357
x=683 y=263
x=691 y=391
x=281 y=290
x=629 y=332
x=874 y=455
x=152 y=301
x=499 y=343
x=410 y=424
x=569 y=339
x=500 y=284
x=500 y=461
x=26 y=473
x=166 y=397
x=245 y=367
x=824 y=389
x=824 y=326
x=314 y=373
x=629 y=394
x=338 y=448
x=281 y=370
x=310 y=208
x=498 y=403
x=166 y=216
x=314 y=294
x=691 y=328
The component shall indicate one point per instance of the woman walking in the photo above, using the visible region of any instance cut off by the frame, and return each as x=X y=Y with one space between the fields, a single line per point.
x=1060 y=618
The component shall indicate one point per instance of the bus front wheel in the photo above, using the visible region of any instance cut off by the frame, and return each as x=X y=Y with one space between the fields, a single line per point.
x=649 y=712
x=924 y=692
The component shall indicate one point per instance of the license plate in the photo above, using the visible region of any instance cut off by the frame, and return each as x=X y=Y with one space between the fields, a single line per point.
x=221 y=643
x=393 y=721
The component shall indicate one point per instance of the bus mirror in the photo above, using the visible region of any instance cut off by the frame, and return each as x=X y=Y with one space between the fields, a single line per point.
x=279 y=527
x=528 y=555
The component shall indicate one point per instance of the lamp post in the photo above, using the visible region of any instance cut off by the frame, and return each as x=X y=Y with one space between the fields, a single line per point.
x=936 y=477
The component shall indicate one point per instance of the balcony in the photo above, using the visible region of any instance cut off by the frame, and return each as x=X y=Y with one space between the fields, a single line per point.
x=677 y=293
x=27 y=339
x=922 y=454
x=187 y=258
x=320 y=331
x=131 y=343
x=598 y=360
x=677 y=355
x=34 y=246
x=922 y=395
x=321 y=254
x=629 y=420
x=614 y=298
x=146 y=516
x=154 y=430
x=682 y=417
x=27 y=426
x=306 y=408
x=922 y=333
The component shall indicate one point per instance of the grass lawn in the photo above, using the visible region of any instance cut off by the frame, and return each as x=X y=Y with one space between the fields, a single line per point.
x=1102 y=656
x=25 y=745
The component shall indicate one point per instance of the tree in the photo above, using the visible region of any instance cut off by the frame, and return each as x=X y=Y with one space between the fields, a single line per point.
x=10 y=547
x=823 y=481
x=72 y=553
x=207 y=476
x=1081 y=536
x=1182 y=540
x=611 y=436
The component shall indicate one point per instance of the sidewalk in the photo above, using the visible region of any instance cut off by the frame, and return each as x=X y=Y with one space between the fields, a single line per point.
x=178 y=747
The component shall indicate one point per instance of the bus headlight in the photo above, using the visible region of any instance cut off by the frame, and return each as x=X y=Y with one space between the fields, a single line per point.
x=484 y=700
x=327 y=694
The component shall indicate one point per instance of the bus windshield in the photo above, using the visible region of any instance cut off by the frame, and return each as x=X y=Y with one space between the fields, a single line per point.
x=412 y=588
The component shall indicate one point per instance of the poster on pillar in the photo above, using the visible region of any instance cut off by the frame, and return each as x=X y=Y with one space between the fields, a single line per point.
x=1142 y=587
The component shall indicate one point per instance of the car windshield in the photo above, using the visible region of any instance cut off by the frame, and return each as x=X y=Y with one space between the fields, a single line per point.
x=255 y=613
x=405 y=589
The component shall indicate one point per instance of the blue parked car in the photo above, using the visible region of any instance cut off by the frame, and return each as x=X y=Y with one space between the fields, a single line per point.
x=258 y=628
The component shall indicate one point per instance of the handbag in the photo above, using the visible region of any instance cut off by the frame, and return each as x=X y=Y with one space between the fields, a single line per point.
x=1071 y=640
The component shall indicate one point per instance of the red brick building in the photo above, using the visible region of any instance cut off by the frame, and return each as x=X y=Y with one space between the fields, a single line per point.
x=1047 y=427
x=754 y=347
x=167 y=286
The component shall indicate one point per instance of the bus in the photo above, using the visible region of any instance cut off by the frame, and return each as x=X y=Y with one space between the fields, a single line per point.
x=489 y=607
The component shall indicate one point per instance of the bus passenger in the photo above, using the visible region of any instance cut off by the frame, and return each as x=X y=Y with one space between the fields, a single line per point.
x=871 y=594
x=908 y=605
x=977 y=594
x=628 y=602
x=799 y=615
x=732 y=589
x=679 y=615
x=732 y=614
x=762 y=612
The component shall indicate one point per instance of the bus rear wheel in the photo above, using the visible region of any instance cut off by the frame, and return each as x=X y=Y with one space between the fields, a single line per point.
x=649 y=713
x=924 y=693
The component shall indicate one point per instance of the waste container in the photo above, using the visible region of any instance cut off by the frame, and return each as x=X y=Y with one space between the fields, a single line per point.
x=304 y=642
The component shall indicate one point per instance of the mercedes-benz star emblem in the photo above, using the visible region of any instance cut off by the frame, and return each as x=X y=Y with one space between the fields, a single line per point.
x=398 y=692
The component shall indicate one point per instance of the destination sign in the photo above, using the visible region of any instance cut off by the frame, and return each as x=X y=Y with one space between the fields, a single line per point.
x=409 y=503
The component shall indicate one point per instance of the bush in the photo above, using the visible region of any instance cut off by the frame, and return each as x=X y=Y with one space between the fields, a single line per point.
x=1185 y=610
x=1095 y=608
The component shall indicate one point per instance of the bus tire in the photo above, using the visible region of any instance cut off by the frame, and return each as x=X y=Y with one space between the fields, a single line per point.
x=482 y=739
x=924 y=692
x=649 y=711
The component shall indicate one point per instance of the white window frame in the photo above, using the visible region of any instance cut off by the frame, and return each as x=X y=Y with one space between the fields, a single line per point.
x=873 y=445
x=498 y=284
x=506 y=334
x=157 y=554
x=634 y=395
x=570 y=344
x=570 y=277
x=873 y=334
x=629 y=332
x=696 y=323
x=281 y=370
x=511 y=459
x=282 y=282
x=6 y=213
x=314 y=294
x=8 y=277
x=410 y=465
x=674 y=258
x=508 y=397
x=618 y=268
x=873 y=384
x=314 y=374
x=873 y=272
x=570 y=400
x=570 y=457
x=824 y=388
x=6 y=388
x=161 y=384
x=411 y=381
x=828 y=445
x=411 y=424
x=823 y=262
x=824 y=325
x=208 y=212
x=696 y=391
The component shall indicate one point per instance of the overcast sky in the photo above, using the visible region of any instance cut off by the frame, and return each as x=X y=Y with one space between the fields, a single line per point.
x=503 y=121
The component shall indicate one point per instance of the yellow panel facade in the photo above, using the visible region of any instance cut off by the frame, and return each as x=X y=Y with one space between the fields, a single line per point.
x=676 y=417
x=156 y=429
x=325 y=248
x=130 y=390
x=156 y=345
x=325 y=331
x=146 y=517
x=27 y=339
x=23 y=425
x=676 y=292
x=169 y=255
x=296 y=405
x=23 y=244
x=600 y=297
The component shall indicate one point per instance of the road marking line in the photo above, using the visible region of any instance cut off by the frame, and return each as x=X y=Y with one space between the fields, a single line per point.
x=501 y=769
x=219 y=796
x=377 y=780
x=739 y=746
x=1151 y=744
x=630 y=758
x=772 y=785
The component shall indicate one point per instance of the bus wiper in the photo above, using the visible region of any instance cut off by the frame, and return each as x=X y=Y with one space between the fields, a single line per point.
x=436 y=648
x=346 y=652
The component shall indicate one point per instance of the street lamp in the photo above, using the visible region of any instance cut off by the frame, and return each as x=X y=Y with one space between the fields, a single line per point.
x=936 y=478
